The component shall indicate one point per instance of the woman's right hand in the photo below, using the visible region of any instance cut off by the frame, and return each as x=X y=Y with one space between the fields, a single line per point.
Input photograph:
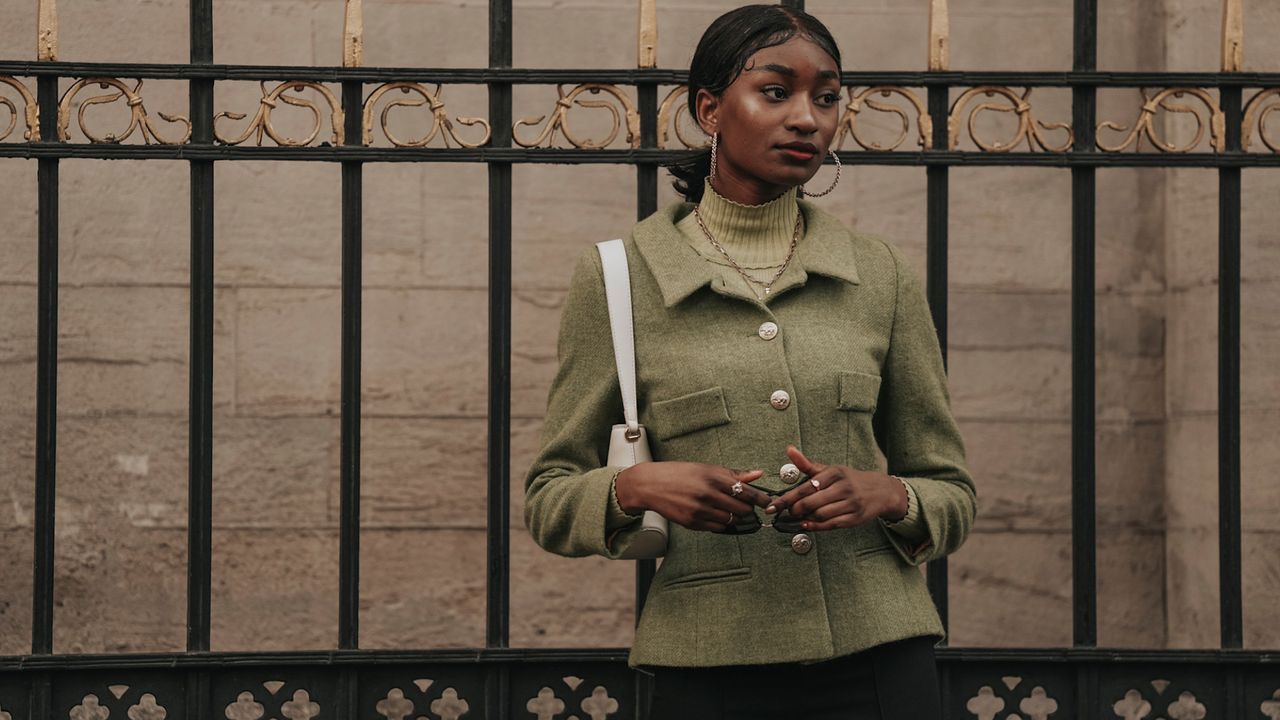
x=698 y=496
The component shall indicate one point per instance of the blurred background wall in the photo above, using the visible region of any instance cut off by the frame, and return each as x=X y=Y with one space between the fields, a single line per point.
x=121 y=537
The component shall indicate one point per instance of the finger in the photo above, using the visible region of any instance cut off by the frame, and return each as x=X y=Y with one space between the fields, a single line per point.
x=825 y=493
x=832 y=508
x=749 y=494
x=717 y=507
x=790 y=498
x=717 y=520
x=807 y=466
x=847 y=520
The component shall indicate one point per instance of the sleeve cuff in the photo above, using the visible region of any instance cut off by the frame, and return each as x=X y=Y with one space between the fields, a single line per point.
x=615 y=517
x=912 y=525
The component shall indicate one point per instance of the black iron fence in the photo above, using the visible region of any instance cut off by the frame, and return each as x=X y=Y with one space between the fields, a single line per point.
x=499 y=681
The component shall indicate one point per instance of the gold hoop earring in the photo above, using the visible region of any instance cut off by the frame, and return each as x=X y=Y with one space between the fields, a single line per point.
x=835 y=182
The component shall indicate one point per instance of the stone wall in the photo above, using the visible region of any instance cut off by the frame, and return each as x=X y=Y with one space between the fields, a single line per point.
x=122 y=500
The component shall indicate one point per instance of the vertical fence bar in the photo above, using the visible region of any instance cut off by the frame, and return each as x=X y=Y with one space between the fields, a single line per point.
x=797 y=4
x=936 y=287
x=498 y=551
x=1229 y=527
x=498 y=619
x=200 y=406
x=46 y=374
x=1083 y=366
x=938 y=199
x=352 y=284
x=1230 y=591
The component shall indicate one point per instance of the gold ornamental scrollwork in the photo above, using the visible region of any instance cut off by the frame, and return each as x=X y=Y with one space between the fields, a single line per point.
x=867 y=99
x=674 y=107
x=1257 y=110
x=30 y=111
x=138 y=117
x=1151 y=106
x=559 y=119
x=441 y=125
x=1029 y=127
x=261 y=123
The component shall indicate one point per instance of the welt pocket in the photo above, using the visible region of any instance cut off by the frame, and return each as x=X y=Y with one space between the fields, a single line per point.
x=874 y=550
x=708 y=577
x=857 y=391
x=688 y=413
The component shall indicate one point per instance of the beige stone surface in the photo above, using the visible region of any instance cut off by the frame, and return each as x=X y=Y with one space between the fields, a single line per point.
x=118 y=587
x=1017 y=582
x=122 y=228
x=409 y=331
x=1131 y=593
x=274 y=473
x=123 y=339
x=1261 y=570
x=15 y=592
x=423 y=473
x=569 y=602
x=275 y=588
x=1191 y=587
x=422 y=588
x=18 y=243
x=1021 y=583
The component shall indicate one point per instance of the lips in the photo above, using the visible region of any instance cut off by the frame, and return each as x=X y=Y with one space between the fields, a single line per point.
x=798 y=150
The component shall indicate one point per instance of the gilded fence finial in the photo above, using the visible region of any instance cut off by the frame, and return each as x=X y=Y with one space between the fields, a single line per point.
x=353 y=35
x=1232 y=35
x=47 y=30
x=648 y=35
x=939 y=36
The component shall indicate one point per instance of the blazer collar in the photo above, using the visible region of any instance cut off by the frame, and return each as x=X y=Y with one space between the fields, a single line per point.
x=825 y=249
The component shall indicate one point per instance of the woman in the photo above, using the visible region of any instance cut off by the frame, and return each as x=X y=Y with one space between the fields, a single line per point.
x=771 y=339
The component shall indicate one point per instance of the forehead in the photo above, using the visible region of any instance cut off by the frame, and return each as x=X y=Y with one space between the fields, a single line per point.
x=800 y=54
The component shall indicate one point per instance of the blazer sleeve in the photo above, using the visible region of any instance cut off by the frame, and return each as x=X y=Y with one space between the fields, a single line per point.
x=917 y=432
x=569 y=504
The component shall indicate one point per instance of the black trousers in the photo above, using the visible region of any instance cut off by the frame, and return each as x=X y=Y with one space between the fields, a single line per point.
x=894 y=681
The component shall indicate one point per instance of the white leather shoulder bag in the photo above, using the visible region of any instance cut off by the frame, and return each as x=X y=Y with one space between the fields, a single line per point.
x=628 y=443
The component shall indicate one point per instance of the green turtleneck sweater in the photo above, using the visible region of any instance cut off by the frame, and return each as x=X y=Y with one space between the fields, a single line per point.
x=758 y=238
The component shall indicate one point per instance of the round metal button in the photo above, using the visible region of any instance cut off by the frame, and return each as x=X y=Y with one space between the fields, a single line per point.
x=768 y=330
x=801 y=544
x=789 y=473
x=780 y=400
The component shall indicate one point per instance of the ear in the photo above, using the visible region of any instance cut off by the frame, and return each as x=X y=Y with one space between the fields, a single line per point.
x=708 y=106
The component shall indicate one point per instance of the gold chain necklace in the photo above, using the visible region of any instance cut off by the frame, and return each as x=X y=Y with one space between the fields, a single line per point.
x=795 y=240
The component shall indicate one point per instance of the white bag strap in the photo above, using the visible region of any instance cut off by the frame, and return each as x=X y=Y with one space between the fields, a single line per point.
x=617 y=290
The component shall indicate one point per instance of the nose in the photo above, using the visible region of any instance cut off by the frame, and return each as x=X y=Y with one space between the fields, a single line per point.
x=802 y=119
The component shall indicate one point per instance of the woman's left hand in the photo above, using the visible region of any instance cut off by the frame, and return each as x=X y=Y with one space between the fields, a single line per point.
x=836 y=496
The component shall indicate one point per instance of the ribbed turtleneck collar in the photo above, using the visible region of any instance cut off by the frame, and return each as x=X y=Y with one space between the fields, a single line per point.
x=755 y=235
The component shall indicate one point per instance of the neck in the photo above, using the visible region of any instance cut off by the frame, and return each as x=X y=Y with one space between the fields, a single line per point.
x=747 y=192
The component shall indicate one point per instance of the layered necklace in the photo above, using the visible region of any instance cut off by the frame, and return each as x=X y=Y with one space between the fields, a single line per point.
x=765 y=285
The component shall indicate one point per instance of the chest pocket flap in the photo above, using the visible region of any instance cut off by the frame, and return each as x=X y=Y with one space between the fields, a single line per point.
x=858 y=391
x=687 y=413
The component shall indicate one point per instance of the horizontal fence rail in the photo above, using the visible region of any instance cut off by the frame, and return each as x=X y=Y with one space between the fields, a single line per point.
x=945 y=119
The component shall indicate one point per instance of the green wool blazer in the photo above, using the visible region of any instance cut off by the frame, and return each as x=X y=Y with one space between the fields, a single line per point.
x=856 y=351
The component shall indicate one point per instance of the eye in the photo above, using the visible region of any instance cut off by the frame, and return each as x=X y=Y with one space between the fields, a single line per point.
x=774 y=92
x=829 y=99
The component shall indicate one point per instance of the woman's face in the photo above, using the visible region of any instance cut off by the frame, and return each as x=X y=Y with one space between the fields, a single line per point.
x=775 y=121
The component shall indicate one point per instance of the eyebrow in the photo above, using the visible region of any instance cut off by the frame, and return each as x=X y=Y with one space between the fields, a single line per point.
x=784 y=70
